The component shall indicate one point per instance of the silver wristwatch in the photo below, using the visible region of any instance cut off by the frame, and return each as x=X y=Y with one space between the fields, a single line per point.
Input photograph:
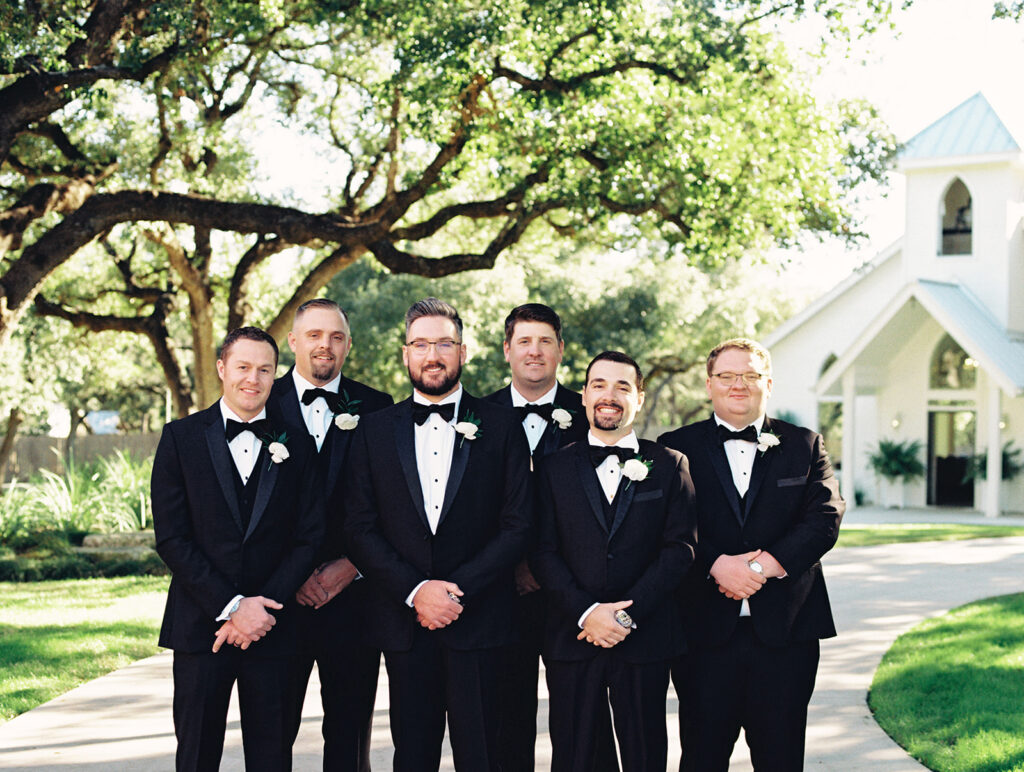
x=756 y=567
x=623 y=618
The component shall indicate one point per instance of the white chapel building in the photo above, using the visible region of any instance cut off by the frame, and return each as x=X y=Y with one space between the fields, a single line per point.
x=926 y=342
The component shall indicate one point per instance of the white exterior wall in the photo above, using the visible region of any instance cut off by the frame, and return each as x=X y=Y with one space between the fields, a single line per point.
x=989 y=272
x=797 y=358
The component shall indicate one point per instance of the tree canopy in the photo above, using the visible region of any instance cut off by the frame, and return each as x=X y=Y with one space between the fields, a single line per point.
x=133 y=141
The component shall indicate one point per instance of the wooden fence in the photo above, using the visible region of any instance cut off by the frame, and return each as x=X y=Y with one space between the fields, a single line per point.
x=34 y=453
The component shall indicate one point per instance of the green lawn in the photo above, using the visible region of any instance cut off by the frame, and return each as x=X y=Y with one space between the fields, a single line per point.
x=886 y=533
x=951 y=690
x=57 y=635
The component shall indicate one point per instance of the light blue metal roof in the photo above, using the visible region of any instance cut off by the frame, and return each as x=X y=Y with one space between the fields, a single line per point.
x=973 y=128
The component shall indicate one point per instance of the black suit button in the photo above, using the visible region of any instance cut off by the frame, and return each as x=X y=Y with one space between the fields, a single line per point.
x=426 y=536
x=610 y=556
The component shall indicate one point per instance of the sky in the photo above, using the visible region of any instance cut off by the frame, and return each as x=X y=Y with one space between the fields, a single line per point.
x=941 y=53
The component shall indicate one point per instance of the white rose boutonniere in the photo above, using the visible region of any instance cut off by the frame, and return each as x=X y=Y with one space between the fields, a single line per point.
x=346 y=412
x=562 y=417
x=468 y=427
x=636 y=469
x=276 y=448
x=766 y=440
x=346 y=421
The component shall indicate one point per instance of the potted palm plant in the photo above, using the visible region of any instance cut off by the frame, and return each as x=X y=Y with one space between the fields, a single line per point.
x=898 y=463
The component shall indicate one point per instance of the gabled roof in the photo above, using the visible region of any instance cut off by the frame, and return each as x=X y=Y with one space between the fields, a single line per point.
x=797 y=321
x=964 y=318
x=973 y=128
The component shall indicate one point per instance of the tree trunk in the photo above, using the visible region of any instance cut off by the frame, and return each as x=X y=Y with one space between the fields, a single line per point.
x=13 y=422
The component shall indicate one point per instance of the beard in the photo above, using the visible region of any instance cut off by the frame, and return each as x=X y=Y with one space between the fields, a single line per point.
x=608 y=422
x=446 y=384
x=321 y=371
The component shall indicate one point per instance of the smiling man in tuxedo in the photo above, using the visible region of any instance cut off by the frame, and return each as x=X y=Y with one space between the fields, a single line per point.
x=438 y=513
x=237 y=523
x=552 y=417
x=316 y=401
x=617 y=531
x=755 y=604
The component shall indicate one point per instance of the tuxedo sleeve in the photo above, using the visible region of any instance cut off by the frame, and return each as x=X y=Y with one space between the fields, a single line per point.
x=508 y=547
x=816 y=526
x=676 y=555
x=369 y=548
x=175 y=541
x=547 y=564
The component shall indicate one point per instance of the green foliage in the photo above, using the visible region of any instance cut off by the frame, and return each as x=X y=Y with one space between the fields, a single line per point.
x=897 y=460
x=25 y=568
x=977 y=466
x=111 y=494
x=949 y=690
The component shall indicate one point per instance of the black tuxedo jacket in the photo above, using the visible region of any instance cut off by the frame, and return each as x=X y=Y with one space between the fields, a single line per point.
x=199 y=531
x=643 y=557
x=553 y=437
x=792 y=509
x=333 y=455
x=482 y=532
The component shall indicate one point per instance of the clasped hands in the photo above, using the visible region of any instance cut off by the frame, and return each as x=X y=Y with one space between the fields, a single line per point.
x=250 y=622
x=326 y=582
x=434 y=606
x=601 y=628
x=737 y=580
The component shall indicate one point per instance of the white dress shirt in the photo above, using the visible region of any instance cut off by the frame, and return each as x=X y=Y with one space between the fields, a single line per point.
x=435 y=442
x=740 y=454
x=534 y=425
x=609 y=473
x=244 y=450
x=316 y=414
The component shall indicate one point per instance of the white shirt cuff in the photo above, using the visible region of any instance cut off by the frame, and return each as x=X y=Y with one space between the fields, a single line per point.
x=416 y=589
x=225 y=615
x=585 y=614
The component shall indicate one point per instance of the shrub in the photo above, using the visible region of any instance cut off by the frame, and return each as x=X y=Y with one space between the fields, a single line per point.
x=895 y=460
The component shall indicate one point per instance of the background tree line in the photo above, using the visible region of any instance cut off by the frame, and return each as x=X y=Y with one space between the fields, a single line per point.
x=626 y=161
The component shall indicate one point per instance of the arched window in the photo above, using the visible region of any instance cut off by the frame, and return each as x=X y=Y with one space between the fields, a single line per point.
x=956 y=220
x=951 y=368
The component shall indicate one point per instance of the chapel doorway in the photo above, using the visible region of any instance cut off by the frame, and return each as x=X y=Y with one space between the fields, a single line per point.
x=951 y=435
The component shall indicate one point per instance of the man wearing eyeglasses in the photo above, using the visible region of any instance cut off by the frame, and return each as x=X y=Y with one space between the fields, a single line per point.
x=438 y=514
x=755 y=605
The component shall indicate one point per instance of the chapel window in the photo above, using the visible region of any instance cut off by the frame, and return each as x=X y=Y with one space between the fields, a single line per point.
x=956 y=220
x=951 y=368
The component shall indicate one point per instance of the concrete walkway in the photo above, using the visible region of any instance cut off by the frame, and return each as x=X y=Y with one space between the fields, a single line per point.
x=123 y=721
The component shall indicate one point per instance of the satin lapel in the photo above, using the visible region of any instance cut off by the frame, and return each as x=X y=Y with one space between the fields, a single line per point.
x=336 y=444
x=762 y=463
x=550 y=440
x=623 y=500
x=591 y=487
x=405 y=441
x=721 y=466
x=460 y=456
x=223 y=466
x=265 y=489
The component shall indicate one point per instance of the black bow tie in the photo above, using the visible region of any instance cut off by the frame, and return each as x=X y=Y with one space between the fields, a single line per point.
x=598 y=453
x=544 y=411
x=421 y=412
x=233 y=428
x=332 y=398
x=725 y=434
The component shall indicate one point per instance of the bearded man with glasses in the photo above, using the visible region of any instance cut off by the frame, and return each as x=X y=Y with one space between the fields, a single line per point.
x=438 y=513
x=755 y=604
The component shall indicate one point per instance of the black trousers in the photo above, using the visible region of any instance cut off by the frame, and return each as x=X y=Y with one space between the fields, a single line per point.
x=202 y=690
x=519 y=674
x=580 y=693
x=348 y=671
x=745 y=684
x=430 y=683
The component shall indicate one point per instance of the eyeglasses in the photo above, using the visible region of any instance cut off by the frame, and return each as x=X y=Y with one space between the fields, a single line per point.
x=442 y=347
x=749 y=379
